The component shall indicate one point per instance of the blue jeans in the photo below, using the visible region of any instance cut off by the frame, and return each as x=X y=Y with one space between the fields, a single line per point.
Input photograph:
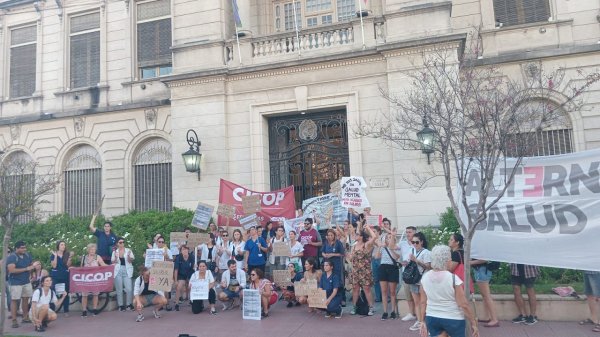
x=454 y=327
x=375 y=263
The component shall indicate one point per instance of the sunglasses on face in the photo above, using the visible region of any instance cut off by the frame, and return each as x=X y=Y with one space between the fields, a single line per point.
x=121 y=242
x=161 y=241
x=224 y=235
x=416 y=242
x=252 y=274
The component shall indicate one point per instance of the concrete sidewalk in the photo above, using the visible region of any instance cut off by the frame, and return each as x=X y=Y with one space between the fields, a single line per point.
x=282 y=321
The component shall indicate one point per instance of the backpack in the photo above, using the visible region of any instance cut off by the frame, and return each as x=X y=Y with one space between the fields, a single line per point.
x=362 y=306
x=411 y=273
x=492 y=265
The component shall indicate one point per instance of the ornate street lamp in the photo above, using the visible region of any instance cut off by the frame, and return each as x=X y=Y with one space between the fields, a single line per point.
x=191 y=158
x=426 y=137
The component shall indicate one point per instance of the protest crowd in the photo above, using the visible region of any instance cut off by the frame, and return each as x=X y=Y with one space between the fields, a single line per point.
x=352 y=264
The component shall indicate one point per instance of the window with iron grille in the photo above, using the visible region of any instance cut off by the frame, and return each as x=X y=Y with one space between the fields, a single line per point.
x=556 y=138
x=18 y=183
x=314 y=12
x=154 y=38
x=152 y=176
x=516 y=12
x=85 y=50
x=22 y=61
x=82 y=182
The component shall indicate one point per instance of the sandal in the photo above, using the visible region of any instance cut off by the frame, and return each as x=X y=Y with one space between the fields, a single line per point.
x=587 y=321
x=596 y=328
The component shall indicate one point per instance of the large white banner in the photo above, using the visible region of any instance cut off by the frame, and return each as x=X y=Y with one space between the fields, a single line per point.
x=326 y=210
x=549 y=215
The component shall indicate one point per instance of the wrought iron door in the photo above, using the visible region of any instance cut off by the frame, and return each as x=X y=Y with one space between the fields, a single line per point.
x=308 y=151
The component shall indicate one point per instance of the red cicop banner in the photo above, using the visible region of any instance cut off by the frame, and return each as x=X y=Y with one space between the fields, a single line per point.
x=91 y=279
x=275 y=204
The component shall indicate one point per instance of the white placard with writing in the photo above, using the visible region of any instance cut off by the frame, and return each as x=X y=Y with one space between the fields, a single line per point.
x=251 y=306
x=153 y=255
x=199 y=290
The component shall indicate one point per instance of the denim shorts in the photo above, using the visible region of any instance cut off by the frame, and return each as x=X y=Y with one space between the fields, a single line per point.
x=414 y=288
x=482 y=274
x=591 y=284
x=454 y=327
x=230 y=294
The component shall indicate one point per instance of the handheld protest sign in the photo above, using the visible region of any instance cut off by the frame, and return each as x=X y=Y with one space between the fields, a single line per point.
x=202 y=215
x=161 y=276
x=251 y=203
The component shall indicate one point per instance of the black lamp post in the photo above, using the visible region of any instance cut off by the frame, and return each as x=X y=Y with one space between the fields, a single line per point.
x=426 y=137
x=191 y=158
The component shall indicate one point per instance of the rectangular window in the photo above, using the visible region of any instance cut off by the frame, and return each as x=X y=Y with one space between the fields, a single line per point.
x=154 y=38
x=315 y=12
x=516 y=12
x=346 y=10
x=85 y=50
x=22 y=61
x=288 y=12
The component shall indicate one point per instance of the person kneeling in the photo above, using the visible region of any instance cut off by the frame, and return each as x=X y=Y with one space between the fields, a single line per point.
x=143 y=296
x=203 y=274
x=233 y=281
x=260 y=283
x=43 y=298
x=330 y=282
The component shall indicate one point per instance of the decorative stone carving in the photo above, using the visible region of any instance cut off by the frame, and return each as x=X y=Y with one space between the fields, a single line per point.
x=151 y=115
x=79 y=126
x=15 y=133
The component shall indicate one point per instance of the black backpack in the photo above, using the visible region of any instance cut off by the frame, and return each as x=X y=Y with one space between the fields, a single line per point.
x=411 y=273
x=362 y=306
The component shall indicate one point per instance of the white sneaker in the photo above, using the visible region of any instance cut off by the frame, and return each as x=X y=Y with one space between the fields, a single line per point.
x=409 y=317
x=415 y=327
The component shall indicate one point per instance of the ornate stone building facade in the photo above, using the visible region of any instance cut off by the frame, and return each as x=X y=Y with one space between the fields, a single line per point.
x=104 y=92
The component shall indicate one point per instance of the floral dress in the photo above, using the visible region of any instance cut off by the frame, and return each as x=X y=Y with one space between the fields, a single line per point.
x=361 y=268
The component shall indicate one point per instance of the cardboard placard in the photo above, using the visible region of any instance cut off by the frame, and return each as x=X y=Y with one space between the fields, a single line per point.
x=249 y=221
x=282 y=249
x=196 y=239
x=177 y=239
x=317 y=298
x=202 y=215
x=225 y=210
x=373 y=220
x=152 y=255
x=161 y=276
x=199 y=290
x=251 y=306
x=251 y=203
x=59 y=288
x=302 y=288
x=282 y=278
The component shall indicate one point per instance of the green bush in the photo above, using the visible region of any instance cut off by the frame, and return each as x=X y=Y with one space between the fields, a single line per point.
x=138 y=228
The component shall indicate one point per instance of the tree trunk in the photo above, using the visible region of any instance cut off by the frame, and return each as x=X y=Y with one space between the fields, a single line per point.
x=467 y=252
x=5 y=243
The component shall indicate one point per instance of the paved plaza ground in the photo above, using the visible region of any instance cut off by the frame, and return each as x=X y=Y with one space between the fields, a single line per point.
x=282 y=321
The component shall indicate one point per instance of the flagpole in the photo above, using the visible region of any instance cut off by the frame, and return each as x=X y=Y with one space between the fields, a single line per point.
x=362 y=26
x=237 y=34
x=296 y=26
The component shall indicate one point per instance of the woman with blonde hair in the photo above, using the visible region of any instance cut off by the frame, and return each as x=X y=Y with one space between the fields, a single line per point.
x=91 y=259
x=443 y=304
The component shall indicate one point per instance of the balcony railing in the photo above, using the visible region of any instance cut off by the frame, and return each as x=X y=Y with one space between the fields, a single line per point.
x=312 y=42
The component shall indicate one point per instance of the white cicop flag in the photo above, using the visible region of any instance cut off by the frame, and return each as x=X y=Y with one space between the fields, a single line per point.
x=549 y=215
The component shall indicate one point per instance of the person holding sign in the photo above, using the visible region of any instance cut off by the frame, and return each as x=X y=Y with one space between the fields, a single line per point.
x=331 y=283
x=122 y=258
x=91 y=259
x=260 y=283
x=182 y=272
x=310 y=273
x=255 y=249
x=204 y=275
x=233 y=281
x=144 y=296
x=277 y=262
x=41 y=313
x=288 y=294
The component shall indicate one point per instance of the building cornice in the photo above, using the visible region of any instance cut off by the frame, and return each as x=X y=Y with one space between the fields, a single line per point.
x=538 y=54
